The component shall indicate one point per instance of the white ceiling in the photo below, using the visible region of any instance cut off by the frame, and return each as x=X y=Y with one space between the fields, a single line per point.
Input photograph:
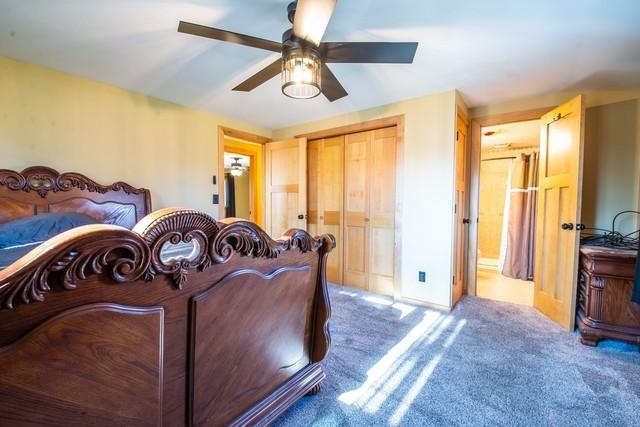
x=491 y=50
x=517 y=134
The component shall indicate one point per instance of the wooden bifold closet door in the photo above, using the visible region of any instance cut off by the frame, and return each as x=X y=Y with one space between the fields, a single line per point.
x=351 y=193
x=325 y=177
x=369 y=210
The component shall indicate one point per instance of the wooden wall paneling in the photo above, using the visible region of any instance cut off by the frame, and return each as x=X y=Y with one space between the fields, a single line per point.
x=382 y=210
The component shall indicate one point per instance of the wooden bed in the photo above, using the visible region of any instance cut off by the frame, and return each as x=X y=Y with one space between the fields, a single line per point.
x=181 y=320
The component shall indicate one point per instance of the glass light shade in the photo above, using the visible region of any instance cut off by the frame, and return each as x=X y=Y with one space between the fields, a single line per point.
x=235 y=171
x=301 y=71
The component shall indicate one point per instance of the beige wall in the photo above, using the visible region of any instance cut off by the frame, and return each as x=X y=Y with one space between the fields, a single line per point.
x=611 y=173
x=427 y=199
x=75 y=124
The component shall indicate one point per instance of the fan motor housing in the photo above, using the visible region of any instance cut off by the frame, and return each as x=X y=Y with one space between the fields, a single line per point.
x=290 y=42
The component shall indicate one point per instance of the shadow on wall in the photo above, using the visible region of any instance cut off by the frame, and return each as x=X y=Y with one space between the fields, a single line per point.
x=611 y=165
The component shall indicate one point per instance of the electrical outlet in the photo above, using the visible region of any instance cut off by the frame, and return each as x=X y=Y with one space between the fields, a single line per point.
x=216 y=199
x=422 y=276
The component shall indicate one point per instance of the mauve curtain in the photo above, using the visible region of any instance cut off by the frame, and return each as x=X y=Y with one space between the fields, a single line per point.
x=521 y=231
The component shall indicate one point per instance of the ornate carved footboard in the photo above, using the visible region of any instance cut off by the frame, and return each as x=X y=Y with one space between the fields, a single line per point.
x=181 y=321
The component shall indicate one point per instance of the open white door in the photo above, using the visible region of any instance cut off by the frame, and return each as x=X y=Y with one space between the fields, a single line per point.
x=559 y=200
x=286 y=186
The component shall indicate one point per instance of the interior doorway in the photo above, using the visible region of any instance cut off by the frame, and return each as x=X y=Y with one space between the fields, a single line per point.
x=237 y=186
x=508 y=196
x=241 y=186
x=559 y=185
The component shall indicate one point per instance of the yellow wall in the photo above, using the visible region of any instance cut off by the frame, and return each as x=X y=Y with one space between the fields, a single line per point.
x=494 y=175
x=427 y=176
x=75 y=124
x=243 y=207
x=611 y=172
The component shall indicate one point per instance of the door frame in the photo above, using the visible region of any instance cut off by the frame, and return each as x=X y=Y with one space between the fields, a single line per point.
x=399 y=122
x=476 y=125
x=461 y=116
x=257 y=178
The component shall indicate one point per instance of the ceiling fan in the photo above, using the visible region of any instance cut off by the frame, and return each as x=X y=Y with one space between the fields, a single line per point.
x=305 y=56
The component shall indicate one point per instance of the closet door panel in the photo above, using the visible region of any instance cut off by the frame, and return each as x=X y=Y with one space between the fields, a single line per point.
x=332 y=167
x=325 y=196
x=356 y=209
x=314 y=188
x=382 y=210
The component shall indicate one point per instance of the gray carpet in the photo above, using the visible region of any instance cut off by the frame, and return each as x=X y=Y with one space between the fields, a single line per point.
x=485 y=363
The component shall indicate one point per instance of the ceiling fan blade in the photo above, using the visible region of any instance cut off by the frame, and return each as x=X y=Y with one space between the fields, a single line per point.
x=311 y=19
x=331 y=87
x=368 y=52
x=260 y=77
x=228 y=36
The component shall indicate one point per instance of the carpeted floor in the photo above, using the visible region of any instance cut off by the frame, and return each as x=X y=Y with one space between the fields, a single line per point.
x=484 y=364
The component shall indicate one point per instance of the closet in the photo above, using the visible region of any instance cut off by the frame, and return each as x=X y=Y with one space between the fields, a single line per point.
x=325 y=165
x=351 y=193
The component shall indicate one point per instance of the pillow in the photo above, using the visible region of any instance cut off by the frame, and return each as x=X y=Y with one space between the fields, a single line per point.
x=39 y=228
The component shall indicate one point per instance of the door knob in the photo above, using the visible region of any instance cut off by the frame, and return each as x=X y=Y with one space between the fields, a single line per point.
x=567 y=226
x=466 y=221
x=581 y=227
x=300 y=216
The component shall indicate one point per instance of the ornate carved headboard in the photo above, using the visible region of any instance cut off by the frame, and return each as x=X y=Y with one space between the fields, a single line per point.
x=39 y=189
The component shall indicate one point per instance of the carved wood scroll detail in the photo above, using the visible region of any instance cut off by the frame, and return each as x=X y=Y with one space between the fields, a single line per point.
x=126 y=255
x=42 y=180
x=176 y=226
x=95 y=249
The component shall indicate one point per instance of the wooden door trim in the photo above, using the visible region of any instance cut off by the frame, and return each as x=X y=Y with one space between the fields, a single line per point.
x=399 y=122
x=245 y=136
x=462 y=121
x=225 y=132
x=384 y=122
x=475 y=134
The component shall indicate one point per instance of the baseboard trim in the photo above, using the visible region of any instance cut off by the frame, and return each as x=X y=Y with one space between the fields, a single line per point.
x=423 y=304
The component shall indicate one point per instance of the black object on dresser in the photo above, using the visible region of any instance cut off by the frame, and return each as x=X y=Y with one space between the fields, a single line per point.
x=605 y=286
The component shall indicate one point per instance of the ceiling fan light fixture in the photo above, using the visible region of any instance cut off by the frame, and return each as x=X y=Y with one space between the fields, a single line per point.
x=301 y=73
x=236 y=167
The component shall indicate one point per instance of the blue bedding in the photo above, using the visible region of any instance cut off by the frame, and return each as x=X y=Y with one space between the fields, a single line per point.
x=20 y=236
x=12 y=254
